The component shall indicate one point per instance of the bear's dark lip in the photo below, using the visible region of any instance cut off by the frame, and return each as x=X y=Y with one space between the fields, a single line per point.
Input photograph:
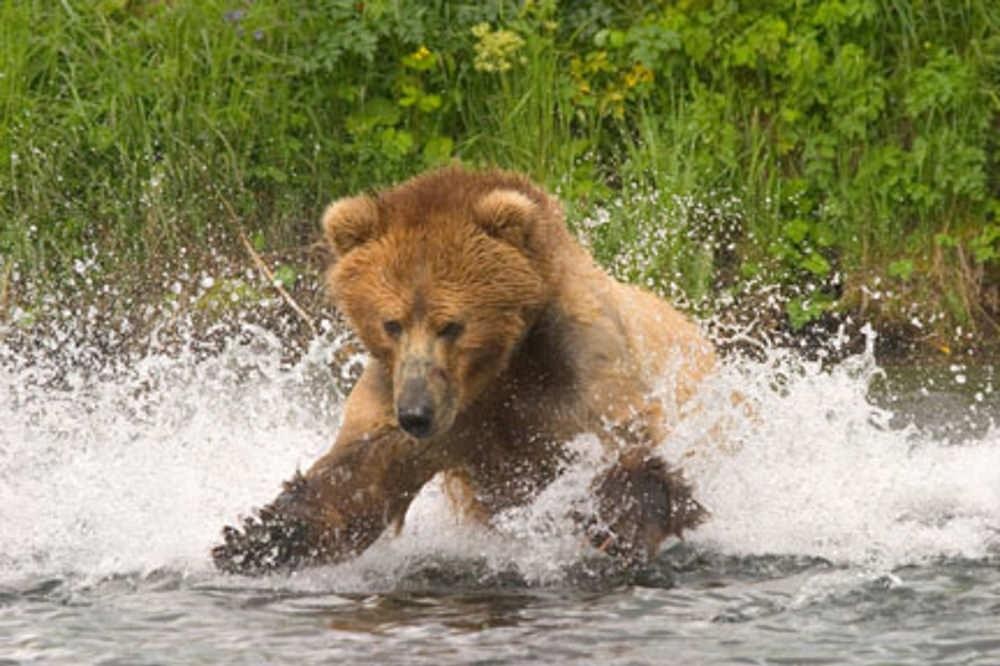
x=419 y=432
x=435 y=431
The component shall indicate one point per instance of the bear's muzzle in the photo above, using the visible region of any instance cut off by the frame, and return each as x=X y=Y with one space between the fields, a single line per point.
x=415 y=407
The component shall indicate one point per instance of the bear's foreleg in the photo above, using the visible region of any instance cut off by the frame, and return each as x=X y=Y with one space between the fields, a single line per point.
x=639 y=503
x=335 y=510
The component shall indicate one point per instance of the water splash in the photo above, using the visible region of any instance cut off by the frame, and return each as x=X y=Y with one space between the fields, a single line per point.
x=824 y=472
x=134 y=465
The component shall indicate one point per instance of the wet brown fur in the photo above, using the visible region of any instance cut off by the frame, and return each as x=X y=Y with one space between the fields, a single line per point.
x=550 y=346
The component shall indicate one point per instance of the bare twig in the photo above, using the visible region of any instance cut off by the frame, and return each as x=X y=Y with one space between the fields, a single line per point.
x=974 y=277
x=263 y=268
x=5 y=290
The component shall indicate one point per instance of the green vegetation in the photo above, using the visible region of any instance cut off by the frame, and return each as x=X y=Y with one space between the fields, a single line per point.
x=846 y=151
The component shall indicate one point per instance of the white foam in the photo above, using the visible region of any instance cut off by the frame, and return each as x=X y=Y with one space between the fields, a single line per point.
x=820 y=472
x=139 y=470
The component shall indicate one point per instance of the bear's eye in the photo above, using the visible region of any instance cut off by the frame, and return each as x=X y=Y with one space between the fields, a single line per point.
x=451 y=330
x=392 y=328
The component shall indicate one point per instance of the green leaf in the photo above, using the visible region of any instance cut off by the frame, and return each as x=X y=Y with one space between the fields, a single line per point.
x=823 y=235
x=428 y=103
x=258 y=241
x=395 y=143
x=944 y=240
x=410 y=94
x=902 y=269
x=376 y=112
x=437 y=149
x=796 y=230
x=816 y=264
x=801 y=311
x=285 y=276
x=984 y=246
x=984 y=253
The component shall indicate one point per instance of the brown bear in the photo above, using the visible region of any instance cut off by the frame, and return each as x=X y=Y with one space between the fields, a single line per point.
x=494 y=339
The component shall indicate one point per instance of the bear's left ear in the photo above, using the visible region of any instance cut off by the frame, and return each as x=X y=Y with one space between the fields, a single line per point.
x=350 y=222
x=507 y=215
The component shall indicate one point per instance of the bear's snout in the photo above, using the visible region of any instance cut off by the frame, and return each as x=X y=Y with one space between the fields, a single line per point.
x=415 y=408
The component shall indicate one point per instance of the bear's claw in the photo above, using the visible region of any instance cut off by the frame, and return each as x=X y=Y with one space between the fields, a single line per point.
x=275 y=540
x=265 y=544
x=291 y=533
x=640 y=502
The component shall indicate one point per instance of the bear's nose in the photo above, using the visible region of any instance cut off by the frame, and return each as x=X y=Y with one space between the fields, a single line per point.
x=415 y=410
x=417 y=421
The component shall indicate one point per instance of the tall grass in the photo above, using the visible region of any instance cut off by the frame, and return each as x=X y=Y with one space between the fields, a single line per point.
x=126 y=124
x=846 y=150
x=861 y=136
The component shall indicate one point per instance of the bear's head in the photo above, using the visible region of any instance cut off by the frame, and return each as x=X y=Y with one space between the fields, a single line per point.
x=441 y=278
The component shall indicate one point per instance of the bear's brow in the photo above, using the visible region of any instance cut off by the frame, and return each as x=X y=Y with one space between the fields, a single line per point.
x=419 y=305
x=436 y=314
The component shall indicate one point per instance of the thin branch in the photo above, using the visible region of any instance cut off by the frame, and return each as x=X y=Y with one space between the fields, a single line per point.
x=263 y=268
x=5 y=290
x=969 y=275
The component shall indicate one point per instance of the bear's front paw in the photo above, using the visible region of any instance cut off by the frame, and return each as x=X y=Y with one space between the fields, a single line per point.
x=270 y=542
x=279 y=538
x=640 y=502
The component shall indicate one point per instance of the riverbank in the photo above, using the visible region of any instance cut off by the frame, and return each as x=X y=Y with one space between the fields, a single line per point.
x=204 y=303
x=786 y=167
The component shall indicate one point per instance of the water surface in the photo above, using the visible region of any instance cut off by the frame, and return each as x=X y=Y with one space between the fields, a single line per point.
x=855 y=519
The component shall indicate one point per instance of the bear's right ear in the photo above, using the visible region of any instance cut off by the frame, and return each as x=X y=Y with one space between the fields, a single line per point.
x=507 y=214
x=350 y=222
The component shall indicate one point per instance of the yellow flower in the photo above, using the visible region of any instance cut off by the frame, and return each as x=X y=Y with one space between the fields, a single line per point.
x=421 y=60
x=638 y=74
x=496 y=49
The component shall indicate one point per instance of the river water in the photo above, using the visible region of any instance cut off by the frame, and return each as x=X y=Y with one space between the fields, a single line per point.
x=855 y=520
